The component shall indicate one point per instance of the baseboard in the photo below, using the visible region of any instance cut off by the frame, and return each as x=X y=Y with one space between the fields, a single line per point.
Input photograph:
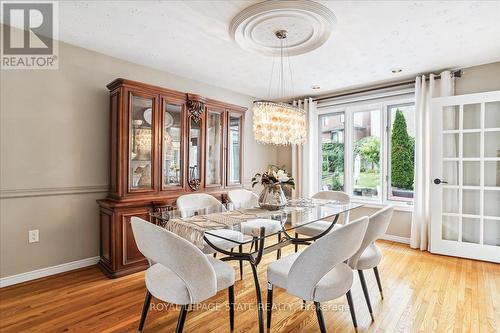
x=397 y=239
x=43 y=272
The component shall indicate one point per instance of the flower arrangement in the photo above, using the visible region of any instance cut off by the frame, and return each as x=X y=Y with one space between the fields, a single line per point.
x=274 y=176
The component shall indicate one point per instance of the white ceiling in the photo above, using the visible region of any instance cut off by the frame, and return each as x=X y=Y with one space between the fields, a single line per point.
x=191 y=39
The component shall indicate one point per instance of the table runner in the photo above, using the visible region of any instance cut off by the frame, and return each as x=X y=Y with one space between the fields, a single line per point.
x=193 y=228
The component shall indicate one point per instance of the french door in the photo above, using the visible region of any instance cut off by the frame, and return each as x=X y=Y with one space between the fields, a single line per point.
x=465 y=172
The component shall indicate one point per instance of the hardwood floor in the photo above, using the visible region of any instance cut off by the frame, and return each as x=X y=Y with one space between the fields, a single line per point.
x=423 y=293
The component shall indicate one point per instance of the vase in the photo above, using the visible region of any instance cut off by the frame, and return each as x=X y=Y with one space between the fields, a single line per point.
x=272 y=197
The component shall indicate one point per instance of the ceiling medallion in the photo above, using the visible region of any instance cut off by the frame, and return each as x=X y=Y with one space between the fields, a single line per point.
x=308 y=23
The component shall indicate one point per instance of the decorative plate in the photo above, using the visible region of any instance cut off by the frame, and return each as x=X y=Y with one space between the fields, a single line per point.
x=147 y=115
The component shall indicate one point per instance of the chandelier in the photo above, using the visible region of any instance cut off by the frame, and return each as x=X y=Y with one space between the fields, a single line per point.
x=275 y=122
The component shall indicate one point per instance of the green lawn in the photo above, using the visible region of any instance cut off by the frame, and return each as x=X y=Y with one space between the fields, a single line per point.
x=368 y=180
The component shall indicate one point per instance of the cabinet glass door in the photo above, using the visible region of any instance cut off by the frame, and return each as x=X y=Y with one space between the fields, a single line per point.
x=172 y=145
x=213 y=153
x=194 y=151
x=141 y=142
x=234 y=149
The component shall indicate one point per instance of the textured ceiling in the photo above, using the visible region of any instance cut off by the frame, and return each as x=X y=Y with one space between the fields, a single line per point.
x=191 y=39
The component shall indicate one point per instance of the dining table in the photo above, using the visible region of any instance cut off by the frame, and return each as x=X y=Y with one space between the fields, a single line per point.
x=203 y=226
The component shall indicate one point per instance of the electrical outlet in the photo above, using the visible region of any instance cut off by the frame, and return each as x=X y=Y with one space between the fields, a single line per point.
x=33 y=236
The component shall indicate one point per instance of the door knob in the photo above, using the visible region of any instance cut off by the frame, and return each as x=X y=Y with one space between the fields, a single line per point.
x=438 y=181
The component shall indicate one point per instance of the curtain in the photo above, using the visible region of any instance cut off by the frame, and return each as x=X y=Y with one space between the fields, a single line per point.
x=305 y=158
x=424 y=92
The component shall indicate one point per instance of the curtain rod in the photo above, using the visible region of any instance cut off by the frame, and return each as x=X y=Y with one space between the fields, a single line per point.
x=457 y=73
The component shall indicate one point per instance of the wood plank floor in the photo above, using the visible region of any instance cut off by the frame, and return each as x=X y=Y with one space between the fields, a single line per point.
x=423 y=293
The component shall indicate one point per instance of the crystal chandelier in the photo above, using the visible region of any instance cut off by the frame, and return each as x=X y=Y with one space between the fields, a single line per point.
x=275 y=122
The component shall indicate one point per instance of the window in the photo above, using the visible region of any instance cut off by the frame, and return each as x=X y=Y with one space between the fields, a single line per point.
x=367 y=149
x=401 y=157
x=332 y=151
x=366 y=154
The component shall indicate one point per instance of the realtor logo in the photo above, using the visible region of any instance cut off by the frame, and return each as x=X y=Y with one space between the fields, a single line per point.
x=29 y=36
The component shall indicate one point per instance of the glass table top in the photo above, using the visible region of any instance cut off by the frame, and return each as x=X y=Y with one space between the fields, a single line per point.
x=297 y=213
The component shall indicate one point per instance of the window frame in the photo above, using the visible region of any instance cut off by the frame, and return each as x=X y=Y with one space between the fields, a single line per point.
x=348 y=109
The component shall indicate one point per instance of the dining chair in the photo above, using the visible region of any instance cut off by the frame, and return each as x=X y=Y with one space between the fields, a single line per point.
x=179 y=272
x=188 y=203
x=314 y=229
x=369 y=255
x=319 y=273
x=242 y=199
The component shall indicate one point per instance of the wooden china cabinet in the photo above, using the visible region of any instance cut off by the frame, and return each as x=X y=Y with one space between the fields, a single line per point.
x=164 y=143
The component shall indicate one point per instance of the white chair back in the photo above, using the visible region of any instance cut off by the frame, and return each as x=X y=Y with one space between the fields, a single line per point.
x=242 y=198
x=376 y=228
x=177 y=254
x=338 y=196
x=323 y=255
x=188 y=203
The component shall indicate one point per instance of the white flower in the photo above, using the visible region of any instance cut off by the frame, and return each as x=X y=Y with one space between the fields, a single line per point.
x=281 y=176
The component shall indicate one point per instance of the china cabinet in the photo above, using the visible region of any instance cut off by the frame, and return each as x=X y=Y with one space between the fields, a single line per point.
x=164 y=143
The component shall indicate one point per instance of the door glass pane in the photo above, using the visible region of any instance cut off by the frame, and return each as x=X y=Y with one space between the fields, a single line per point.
x=471 y=144
x=172 y=145
x=492 y=144
x=450 y=227
x=491 y=203
x=450 y=145
x=491 y=232
x=234 y=147
x=402 y=151
x=366 y=164
x=214 y=146
x=450 y=172
x=492 y=173
x=472 y=116
x=471 y=173
x=450 y=117
x=141 y=143
x=470 y=202
x=470 y=230
x=332 y=130
x=194 y=150
x=450 y=200
x=492 y=115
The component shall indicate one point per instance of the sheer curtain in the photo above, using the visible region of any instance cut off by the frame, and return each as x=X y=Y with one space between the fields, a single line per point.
x=305 y=158
x=424 y=92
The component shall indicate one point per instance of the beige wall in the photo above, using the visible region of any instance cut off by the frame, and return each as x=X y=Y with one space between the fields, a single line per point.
x=55 y=140
x=479 y=79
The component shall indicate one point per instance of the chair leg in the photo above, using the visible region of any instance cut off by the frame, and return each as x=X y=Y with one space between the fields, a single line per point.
x=269 y=307
x=365 y=291
x=278 y=253
x=182 y=318
x=231 y=307
x=351 y=308
x=241 y=262
x=377 y=276
x=145 y=309
x=321 y=320
x=296 y=245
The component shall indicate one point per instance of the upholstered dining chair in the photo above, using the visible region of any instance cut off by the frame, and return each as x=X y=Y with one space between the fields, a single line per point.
x=242 y=198
x=179 y=272
x=316 y=228
x=369 y=255
x=197 y=202
x=319 y=273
